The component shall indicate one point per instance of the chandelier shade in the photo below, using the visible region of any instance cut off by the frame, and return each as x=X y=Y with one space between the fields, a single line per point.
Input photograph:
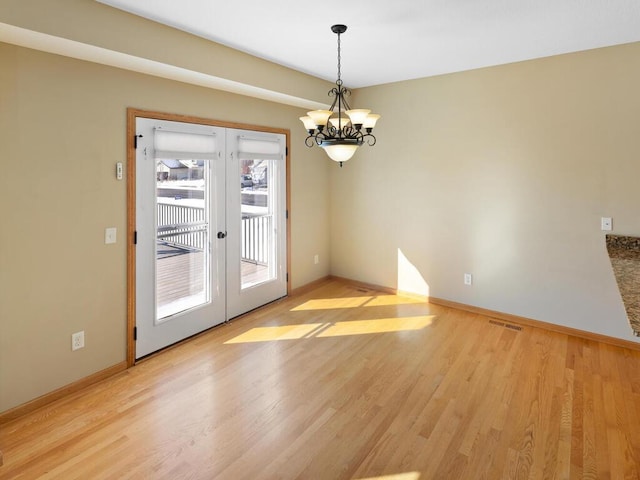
x=358 y=116
x=320 y=117
x=339 y=150
x=341 y=129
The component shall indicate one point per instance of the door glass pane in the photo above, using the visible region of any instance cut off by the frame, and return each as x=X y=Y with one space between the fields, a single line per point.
x=182 y=258
x=257 y=236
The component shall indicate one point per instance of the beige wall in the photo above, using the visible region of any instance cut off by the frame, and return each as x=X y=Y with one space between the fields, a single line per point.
x=502 y=172
x=62 y=128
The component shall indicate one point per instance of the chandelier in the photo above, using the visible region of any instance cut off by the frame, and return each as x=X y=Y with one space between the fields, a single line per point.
x=340 y=130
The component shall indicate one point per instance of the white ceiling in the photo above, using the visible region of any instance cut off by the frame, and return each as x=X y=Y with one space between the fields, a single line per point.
x=393 y=40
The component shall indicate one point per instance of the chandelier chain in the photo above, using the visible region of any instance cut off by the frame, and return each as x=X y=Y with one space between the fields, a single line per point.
x=339 y=81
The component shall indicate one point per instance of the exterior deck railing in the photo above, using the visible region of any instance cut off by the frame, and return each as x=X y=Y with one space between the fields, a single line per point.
x=185 y=227
x=256 y=238
x=182 y=226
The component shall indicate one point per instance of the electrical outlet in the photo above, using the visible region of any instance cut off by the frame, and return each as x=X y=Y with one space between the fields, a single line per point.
x=468 y=279
x=77 y=340
x=316 y=259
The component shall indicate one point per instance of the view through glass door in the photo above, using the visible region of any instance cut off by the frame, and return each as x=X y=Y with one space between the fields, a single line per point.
x=211 y=227
x=256 y=219
x=183 y=259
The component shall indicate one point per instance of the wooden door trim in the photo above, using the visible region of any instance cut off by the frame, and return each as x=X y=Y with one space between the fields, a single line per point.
x=132 y=115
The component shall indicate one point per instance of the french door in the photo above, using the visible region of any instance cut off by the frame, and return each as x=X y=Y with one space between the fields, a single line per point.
x=256 y=220
x=210 y=227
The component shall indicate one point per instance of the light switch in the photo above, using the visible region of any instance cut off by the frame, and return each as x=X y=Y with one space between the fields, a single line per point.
x=110 y=235
x=606 y=224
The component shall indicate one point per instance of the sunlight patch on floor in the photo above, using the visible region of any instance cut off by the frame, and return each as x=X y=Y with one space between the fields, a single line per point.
x=382 y=325
x=324 y=330
x=283 y=332
x=331 y=303
x=396 y=476
x=355 y=302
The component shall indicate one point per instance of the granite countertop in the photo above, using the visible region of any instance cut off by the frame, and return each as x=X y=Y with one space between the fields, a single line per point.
x=624 y=253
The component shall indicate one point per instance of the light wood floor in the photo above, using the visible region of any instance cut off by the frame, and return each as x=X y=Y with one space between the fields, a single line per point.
x=345 y=383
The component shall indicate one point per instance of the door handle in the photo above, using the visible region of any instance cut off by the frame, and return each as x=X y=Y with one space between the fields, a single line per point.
x=222 y=234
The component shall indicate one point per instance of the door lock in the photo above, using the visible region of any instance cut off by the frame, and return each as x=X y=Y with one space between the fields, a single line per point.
x=222 y=234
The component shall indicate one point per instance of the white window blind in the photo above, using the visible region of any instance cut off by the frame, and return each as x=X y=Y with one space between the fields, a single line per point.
x=184 y=146
x=264 y=149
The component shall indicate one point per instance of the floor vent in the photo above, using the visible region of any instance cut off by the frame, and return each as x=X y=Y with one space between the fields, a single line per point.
x=505 y=325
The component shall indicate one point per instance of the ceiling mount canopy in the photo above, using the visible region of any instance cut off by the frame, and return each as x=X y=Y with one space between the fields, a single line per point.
x=338 y=29
x=341 y=129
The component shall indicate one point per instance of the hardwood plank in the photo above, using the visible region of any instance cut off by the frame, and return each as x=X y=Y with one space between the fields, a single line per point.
x=353 y=390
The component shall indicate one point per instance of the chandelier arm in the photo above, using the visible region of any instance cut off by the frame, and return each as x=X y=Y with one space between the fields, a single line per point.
x=322 y=136
x=335 y=94
x=340 y=106
x=371 y=140
x=345 y=93
x=352 y=133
